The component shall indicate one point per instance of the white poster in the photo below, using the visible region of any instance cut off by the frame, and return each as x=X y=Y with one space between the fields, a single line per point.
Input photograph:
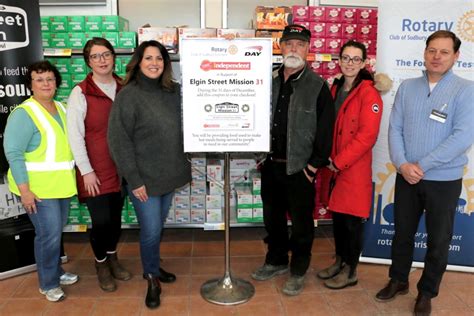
x=226 y=94
x=403 y=27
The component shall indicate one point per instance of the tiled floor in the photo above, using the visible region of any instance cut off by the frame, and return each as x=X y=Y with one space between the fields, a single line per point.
x=197 y=256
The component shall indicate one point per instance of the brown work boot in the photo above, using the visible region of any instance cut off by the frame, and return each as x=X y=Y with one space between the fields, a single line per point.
x=342 y=279
x=391 y=290
x=332 y=270
x=106 y=281
x=422 y=305
x=116 y=268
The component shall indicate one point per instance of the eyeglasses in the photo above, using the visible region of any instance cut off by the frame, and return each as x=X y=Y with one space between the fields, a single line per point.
x=106 y=55
x=42 y=80
x=356 y=60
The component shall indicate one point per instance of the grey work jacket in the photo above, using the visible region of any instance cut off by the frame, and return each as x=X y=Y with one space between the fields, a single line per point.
x=302 y=118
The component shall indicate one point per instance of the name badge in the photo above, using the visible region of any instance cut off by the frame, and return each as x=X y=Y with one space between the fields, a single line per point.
x=438 y=116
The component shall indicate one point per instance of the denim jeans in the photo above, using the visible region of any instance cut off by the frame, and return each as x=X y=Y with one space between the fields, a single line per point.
x=49 y=221
x=151 y=216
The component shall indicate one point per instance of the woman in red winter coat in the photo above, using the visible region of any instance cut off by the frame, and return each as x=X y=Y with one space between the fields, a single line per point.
x=359 y=110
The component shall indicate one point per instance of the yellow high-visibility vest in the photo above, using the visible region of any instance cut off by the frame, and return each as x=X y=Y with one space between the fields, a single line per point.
x=50 y=166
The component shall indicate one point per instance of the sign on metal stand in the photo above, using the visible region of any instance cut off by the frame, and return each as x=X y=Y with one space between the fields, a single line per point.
x=226 y=88
x=227 y=290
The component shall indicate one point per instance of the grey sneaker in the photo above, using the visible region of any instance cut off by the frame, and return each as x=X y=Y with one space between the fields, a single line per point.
x=54 y=295
x=68 y=278
x=268 y=271
x=294 y=285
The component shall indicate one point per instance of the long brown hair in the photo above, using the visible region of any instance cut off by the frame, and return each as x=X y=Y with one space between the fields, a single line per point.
x=133 y=67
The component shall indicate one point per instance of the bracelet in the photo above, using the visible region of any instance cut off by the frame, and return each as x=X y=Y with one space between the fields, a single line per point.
x=309 y=172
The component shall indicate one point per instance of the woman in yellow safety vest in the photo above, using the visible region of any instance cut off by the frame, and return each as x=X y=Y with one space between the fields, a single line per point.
x=42 y=172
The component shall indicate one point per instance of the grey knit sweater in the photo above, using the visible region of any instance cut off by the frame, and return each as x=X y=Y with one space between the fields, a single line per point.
x=145 y=137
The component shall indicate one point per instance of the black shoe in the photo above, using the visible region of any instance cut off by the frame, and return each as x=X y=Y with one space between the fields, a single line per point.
x=152 y=299
x=165 y=277
x=392 y=289
x=422 y=305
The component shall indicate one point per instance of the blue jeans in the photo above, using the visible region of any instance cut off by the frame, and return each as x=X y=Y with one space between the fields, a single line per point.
x=151 y=216
x=49 y=221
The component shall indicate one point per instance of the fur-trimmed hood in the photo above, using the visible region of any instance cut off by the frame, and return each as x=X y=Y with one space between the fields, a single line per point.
x=382 y=81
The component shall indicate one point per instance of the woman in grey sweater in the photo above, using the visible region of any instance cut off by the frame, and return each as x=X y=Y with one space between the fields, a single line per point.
x=145 y=140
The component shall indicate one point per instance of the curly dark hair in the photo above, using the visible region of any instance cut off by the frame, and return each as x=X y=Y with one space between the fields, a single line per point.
x=40 y=67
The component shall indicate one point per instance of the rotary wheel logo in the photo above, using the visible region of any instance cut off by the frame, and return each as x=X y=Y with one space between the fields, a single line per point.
x=466 y=26
x=208 y=108
x=233 y=49
x=245 y=108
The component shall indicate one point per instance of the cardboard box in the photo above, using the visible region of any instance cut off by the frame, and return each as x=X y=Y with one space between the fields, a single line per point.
x=306 y=24
x=198 y=202
x=78 y=65
x=45 y=40
x=333 y=14
x=367 y=16
x=76 y=40
x=349 y=15
x=366 y=32
x=272 y=18
x=300 y=13
x=331 y=68
x=318 y=29
x=62 y=64
x=58 y=24
x=93 y=23
x=132 y=217
x=170 y=219
x=90 y=35
x=214 y=215
x=198 y=216
x=114 y=23
x=349 y=31
x=66 y=82
x=317 y=14
x=76 y=23
x=45 y=27
x=317 y=67
x=216 y=188
x=62 y=95
x=317 y=45
x=244 y=215
x=235 y=33
x=275 y=36
x=214 y=201
x=198 y=188
x=257 y=201
x=182 y=215
x=59 y=40
x=333 y=45
x=371 y=46
x=184 y=190
x=256 y=186
x=257 y=215
x=215 y=172
x=189 y=32
x=77 y=78
x=198 y=173
x=334 y=30
x=112 y=37
x=166 y=36
x=182 y=202
x=200 y=161
x=127 y=40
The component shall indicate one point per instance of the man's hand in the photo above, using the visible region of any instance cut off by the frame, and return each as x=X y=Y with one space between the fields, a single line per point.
x=311 y=174
x=411 y=172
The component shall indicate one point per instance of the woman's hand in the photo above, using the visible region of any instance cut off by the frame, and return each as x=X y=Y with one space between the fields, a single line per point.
x=140 y=193
x=91 y=183
x=28 y=198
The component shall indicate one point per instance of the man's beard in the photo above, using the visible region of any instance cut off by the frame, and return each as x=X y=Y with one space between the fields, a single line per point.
x=292 y=60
